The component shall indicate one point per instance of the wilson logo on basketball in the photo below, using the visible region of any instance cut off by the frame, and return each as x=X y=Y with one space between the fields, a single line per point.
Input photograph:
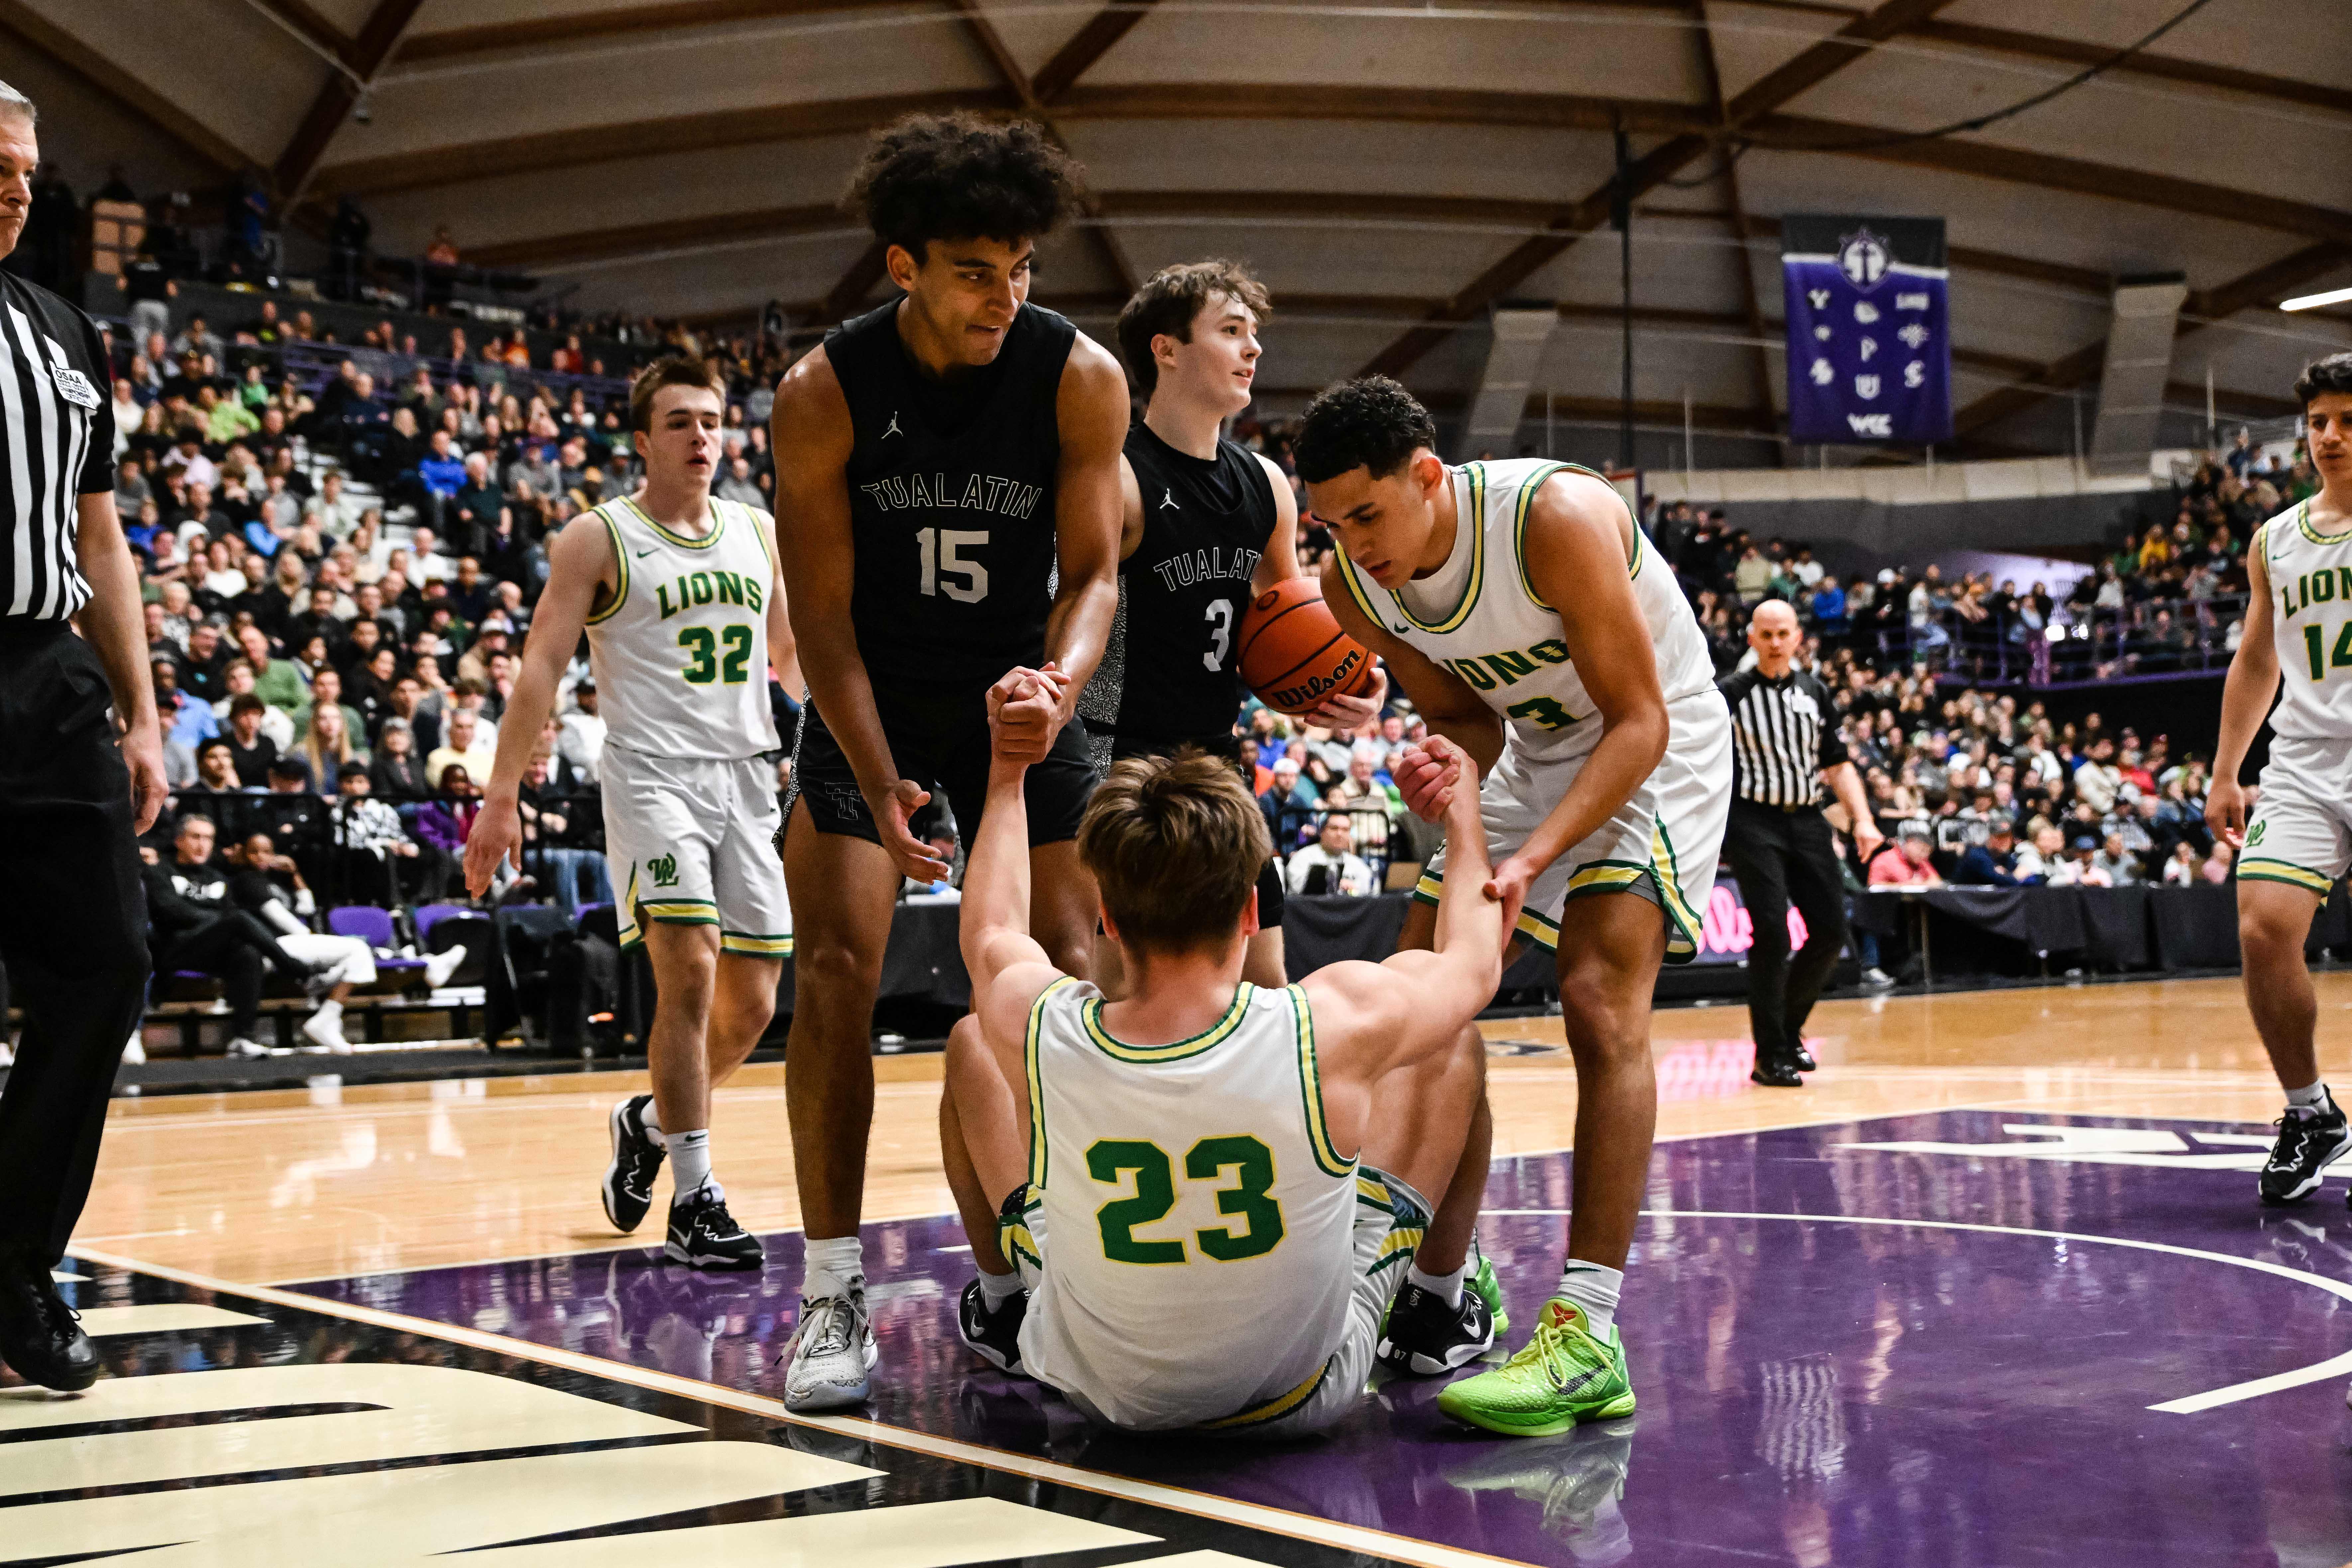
x=1291 y=699
x=1293 y=653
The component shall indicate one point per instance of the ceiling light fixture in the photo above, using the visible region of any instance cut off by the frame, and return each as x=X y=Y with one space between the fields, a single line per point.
x=2313 y=301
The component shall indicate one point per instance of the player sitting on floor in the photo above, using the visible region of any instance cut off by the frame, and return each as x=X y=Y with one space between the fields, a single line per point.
x=1165 y=1198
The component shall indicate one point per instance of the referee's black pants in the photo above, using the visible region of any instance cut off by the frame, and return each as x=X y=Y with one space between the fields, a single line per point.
x=1781 y=857
x=73 y=926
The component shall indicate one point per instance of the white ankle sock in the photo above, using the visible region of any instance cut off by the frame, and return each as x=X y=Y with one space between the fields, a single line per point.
x=689 y=1159
x=836 y=1263
x=995 y=1289
x=331 y=1013
x=1594 y=1288
x=649 y=1118
x=1445 y=1285
x=2313 y=1095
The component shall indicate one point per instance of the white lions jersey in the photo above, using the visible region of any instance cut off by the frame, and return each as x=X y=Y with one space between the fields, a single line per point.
x=2310 y=577
x=1199 y=1228
x=681 y=652
x=1480 y=616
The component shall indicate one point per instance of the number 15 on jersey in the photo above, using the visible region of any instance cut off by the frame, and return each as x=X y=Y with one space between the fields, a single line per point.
x=946 y=570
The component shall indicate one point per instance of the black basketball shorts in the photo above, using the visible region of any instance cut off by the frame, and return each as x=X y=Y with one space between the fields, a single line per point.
x=954 y=765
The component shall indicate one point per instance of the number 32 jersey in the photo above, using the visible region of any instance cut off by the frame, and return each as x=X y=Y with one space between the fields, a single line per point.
x=951 y=488
x=680 y=653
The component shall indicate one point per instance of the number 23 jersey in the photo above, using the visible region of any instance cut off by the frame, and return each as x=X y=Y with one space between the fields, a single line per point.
x=680 y=653
x=951 y=487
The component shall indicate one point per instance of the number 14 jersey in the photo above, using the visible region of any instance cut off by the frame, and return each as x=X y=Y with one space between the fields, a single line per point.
x=680 y=653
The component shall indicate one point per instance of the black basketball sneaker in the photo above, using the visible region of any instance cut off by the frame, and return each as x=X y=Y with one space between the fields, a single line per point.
x=636 y=1160
x=1423 y=1336
x=994 y=1337
x=703 y=1234
x=2309 y=1140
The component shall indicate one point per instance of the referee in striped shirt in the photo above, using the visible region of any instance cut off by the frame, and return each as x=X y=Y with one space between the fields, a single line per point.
x=1785 y=745
x=73 y=794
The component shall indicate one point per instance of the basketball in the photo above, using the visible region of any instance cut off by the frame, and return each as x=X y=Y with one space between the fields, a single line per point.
x=1294 y=654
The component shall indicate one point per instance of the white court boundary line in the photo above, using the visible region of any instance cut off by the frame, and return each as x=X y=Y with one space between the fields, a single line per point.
x=2317 y=1372
x=1151 y=1494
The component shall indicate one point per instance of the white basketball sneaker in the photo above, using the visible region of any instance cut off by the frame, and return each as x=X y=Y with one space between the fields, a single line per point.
x=832 y=1352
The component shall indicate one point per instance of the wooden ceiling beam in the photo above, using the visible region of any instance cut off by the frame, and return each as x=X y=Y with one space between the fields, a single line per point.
x=583 y=26
x=332 y=106
x=1093 y=40
x=45 y=37
x=2075 y=177
x=2156 y=66
x=1807 y=69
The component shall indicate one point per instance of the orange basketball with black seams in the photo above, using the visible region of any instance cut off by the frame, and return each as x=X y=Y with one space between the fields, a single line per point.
x=1293 y=653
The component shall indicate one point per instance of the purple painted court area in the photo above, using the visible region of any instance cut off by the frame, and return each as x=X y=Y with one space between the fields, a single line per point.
x=1813 y=1390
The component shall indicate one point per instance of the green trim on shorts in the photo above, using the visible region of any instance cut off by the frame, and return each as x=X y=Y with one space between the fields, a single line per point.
x=2287 y=871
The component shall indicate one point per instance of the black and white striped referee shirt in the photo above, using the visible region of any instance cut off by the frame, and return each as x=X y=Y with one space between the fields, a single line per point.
x=1783 y=734
x=57 y=403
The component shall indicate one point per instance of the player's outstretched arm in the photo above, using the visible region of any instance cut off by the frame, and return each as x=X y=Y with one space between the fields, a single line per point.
x=993 y=926
x=1443 y=699
x=812 y=437
x=2246 y=693
x=1089 y=515
x=1371 y=1018
x=579 y=564
x=1577 y=547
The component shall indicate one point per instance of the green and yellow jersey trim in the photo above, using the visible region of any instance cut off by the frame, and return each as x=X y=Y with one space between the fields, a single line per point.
x=2285 y=871
x=1310 y=1089
x=2303 y=522
x=621 y=560
x=1348 y=574
x=1537 y=927
x=756 y=944
x=1031 y=1070
x=683 y=542
x=1520 y=510
x=677 y=912
x=1091 y=1014
x=767 y=548
x=1472 y=516
x=1273 y=1409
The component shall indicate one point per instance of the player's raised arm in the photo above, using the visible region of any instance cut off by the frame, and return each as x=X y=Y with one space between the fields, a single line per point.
x=579 y=569
x=1416 y=1002
x=994 y=926
x=2246 y=693
x=1577 y=547
x=812 y=437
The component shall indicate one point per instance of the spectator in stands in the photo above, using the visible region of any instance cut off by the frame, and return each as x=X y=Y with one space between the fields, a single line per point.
x=1289 y=805
x=1375 y=806
x=276 y=680
x=2182 y=868
x=216 y=769
x=551 y=851
x=326 y=691
x=194 y=926
x=442 y=473
x=251 y=752
x=2118 y=865
x=187 y=720
x=443 y=820
x=2219 y=862
x=397 y=771
x=327 y=743
x=1909 y=865
x=2080 y=868
x=382 y=856
x=476 y=512
x=1992 y=863
x=1330 y=864
x=581 y=739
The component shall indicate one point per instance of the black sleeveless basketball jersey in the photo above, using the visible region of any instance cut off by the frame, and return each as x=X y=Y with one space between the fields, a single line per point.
x=1205 y=524
x=950 y=507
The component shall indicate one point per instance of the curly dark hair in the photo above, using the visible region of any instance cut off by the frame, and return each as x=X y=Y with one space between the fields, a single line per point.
x=958 y=176
x=1370 y=423
x=2333 y=373
x=1169 y=301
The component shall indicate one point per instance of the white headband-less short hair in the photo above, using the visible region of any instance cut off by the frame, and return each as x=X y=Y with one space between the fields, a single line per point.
x=15 y=102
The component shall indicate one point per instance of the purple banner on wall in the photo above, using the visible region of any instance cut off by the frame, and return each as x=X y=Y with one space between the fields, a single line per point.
x=1870 y=347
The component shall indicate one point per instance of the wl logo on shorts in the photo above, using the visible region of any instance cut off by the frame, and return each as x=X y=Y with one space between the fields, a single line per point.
x=664 y=870
x=2256 y=835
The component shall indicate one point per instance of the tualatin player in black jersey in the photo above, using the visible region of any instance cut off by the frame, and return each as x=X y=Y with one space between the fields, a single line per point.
x=1207 y=525
x=946 y=491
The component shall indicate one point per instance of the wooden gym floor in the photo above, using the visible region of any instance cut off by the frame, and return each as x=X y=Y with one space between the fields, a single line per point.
x=280 y=1186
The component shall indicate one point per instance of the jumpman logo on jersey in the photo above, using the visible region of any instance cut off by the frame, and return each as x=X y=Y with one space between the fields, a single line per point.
x=894 y=429
x=1167 y=501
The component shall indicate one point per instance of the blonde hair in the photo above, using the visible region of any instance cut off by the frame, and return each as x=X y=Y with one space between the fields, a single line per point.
x=1175 y=844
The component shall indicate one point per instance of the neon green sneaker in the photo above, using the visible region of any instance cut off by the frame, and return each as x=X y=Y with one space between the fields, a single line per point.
x=1563 y=1376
